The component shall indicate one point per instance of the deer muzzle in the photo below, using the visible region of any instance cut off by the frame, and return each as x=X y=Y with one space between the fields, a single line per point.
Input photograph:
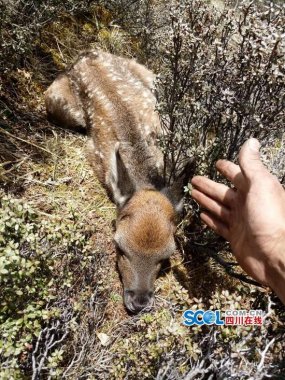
x=137 y=301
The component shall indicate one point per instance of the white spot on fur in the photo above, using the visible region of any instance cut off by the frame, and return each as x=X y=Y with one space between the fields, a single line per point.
x=78 y=114
x=56 y=98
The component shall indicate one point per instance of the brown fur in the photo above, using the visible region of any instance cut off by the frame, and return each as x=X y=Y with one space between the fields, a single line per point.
x=148 y=217
x=111 y=97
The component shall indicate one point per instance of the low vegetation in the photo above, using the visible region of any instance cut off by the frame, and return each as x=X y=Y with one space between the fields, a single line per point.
x=220 y=79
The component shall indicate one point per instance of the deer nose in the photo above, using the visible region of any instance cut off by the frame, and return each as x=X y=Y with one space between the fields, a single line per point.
x=137 y=301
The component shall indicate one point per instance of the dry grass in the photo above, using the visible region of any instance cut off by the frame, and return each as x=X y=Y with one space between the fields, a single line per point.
x=49 y=171
x=108 y=343
x=134 y=346
x=65 y=183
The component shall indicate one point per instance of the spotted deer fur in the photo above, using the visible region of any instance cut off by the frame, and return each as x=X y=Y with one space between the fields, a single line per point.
x=112 y=99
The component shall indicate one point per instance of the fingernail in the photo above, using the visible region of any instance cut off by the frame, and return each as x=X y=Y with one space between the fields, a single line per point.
x=254 y=144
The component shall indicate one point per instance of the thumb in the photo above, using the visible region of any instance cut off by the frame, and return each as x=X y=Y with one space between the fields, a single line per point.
x=249 y=159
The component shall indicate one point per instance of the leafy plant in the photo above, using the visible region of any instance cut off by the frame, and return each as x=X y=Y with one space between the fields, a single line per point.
x=37 y=258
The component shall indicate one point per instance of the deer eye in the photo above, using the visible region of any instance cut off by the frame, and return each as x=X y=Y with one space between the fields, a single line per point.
x=120 y=251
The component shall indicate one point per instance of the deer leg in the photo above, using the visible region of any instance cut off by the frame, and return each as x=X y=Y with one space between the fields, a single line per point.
x=63 y=105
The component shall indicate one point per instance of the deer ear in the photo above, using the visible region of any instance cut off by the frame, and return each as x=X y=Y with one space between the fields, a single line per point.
x=176 y=192
x=122 y=186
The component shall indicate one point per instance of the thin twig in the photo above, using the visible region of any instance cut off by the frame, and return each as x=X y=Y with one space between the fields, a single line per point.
x=25 y=141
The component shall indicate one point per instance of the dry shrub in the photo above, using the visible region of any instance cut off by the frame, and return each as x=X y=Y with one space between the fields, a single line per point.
x=221 y=80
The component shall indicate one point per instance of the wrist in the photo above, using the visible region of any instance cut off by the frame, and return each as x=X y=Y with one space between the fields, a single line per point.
x=276 y=276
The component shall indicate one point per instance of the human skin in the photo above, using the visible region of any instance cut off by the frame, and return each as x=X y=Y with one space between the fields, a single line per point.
x=251 y=216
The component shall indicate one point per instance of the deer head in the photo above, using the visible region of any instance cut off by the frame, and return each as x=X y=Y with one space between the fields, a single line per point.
x=145 y=230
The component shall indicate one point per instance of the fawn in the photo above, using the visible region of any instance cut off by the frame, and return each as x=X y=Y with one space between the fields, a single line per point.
x=112 y=99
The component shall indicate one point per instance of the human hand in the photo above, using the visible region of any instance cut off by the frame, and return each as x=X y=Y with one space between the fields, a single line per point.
x=250 y=216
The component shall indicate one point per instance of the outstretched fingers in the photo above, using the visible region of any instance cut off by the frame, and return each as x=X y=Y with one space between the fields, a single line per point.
x=217 y=198
x=232 y=172
x=216 y=208
x=249 y=159
x=217 y=191
x=216 y=225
